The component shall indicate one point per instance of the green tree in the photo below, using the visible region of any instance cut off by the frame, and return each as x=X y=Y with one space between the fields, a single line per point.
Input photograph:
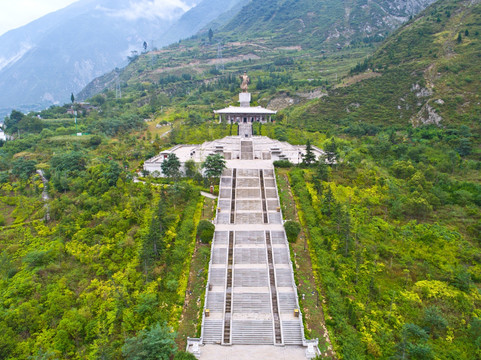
x=213 y=166
x=23 y=168
x=413 y=344
x=280 y=133
x=194 y=119
x=71 y=161
x=402 y=169
x=12 y=121
x=211 y=35
x=191 y=168
x=433 y=321
x=60 y=181
x=309 y=157
x=156 y=343
x=328 y=202
x=464 y=147
x=322 y=169
x=293 y=228
x=95 y=140
x=475 y=331
x=171 y=166
x=331 y=149
x=416 y=205
x=103 y=176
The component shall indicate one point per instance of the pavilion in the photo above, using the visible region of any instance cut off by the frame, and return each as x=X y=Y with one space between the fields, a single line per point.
x=245 y=113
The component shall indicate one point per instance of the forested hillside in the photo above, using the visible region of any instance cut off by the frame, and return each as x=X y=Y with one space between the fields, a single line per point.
x=394 y=237
x=112 y=259
x=394 y=227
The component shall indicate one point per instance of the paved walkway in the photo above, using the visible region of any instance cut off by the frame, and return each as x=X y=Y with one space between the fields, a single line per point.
x=208 y=195
x=249 y=352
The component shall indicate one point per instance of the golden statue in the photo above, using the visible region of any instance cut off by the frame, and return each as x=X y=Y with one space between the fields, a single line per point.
x=245 y=82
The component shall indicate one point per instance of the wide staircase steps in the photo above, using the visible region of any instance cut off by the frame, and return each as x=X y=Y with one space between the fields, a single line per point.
x=215 y=302
x=212 y=331
x=247 y=150
x=287 y=302
x=292 y=332
x=251 y=297
x=252 y=332
x=272 y=283
x=253 y=303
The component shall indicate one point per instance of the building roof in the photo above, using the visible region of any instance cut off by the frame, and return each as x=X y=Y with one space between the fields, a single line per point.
x=245 y=110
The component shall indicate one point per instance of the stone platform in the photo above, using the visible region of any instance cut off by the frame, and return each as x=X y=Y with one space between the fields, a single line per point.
x=249 y=352
x=236 y=149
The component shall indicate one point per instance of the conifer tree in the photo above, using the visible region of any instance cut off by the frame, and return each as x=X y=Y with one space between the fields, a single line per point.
x=309 y=158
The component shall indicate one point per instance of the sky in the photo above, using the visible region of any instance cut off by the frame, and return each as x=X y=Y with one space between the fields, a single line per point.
x=16 y=13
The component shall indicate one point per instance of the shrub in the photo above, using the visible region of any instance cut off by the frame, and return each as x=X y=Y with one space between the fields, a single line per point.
x=205 y=231
x=155 y=343
x=282 y=163
x=293 y=228
x=182 y=355
x=95 y=140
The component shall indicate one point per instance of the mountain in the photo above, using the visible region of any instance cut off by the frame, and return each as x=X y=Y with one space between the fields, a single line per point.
x=273 y=32
x=199 y=16
x=312 y=23
x=43 y=62
x=425 y=73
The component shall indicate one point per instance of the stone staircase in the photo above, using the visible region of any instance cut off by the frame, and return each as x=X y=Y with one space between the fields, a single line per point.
x=251 y=298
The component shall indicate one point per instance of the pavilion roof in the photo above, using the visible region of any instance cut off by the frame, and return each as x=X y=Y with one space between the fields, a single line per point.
x=245 y=110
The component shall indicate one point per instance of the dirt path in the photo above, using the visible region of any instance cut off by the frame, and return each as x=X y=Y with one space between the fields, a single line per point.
x=45 y=196
x=193 y=303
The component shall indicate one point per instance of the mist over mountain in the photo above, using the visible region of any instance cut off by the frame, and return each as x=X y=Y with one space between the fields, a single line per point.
x=43 y=62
